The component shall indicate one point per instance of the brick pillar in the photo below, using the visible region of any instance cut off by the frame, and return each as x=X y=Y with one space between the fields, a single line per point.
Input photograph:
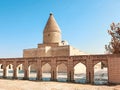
x=90 y=77
x=26 y=74
x=15 y=73
x=14 y=70
x=26 y=71
x=72 y=75
x=53 y=75
x=68 y=74
x=70 y=71
x=53 y=70
x=89 y=71
x=39 y=70
x=4 y=71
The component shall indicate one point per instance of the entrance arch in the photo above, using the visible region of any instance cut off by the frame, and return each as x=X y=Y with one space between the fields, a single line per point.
x=32 y=72
x=46 y=72
x=20 y=71
x=1 y=70
x=100 y=73
x=9 y=71
x=62 y=72
x=80 y=73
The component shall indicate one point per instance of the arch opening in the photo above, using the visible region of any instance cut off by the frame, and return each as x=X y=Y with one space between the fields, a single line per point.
x=20 y=71
x=9 y=71
x=62 y=73
x=1 y=70
x=80 y=73
x=46 y=72
x=100 y=73
x=32 y=69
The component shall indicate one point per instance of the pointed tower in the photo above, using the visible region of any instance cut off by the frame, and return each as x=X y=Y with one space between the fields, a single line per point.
x=52 y=32
x=52 y=45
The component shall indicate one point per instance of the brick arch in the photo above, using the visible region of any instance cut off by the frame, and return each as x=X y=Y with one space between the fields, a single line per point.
x=43 y=63
x=81 y=63
x=32 y=63
x=96 y=62
x=1 y=62
x=2 y=66
x=13 y=66
x=23 y=65
x=75 y=62
x=105 y=63
x=20 y=63
x=61 y=62
x=103 y=74
x=61 y=67
x=46 y=67
x=9 y=62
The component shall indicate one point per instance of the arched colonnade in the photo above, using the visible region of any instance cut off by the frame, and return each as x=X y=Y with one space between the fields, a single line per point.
x=89 y=61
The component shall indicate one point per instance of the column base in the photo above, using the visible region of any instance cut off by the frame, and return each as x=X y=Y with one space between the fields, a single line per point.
x=53 y=79
x=14 y=78
x=25 y=78
x=68 y=80
x=71 y=81
x=39 y=79
x=4 y=77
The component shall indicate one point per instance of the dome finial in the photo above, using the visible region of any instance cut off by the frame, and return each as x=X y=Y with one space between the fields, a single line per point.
x=51 y=13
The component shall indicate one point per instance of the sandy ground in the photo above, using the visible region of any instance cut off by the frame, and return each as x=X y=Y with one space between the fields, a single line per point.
x=38 y=85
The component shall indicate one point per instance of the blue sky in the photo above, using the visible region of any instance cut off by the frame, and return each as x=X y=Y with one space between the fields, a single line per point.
x=84 y=23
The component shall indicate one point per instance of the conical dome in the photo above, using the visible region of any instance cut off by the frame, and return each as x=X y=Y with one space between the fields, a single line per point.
x=51 y=25
x=52 y=32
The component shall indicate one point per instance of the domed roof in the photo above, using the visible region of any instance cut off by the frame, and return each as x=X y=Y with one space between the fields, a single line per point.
x=51 y=25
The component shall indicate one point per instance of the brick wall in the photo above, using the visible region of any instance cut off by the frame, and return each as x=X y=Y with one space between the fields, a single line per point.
x=114 y=69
